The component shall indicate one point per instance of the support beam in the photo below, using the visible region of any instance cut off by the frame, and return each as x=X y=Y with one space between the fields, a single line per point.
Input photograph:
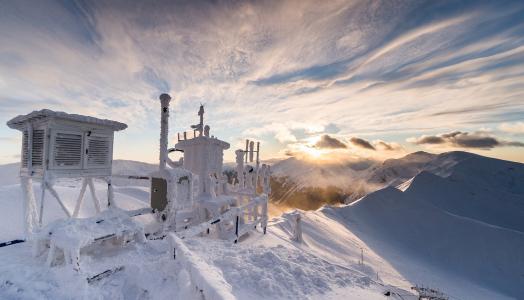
x=80 y=198
x=110 y=193
x=93 y=194
x=29 y=204
x=42 y=197
x=55 y=194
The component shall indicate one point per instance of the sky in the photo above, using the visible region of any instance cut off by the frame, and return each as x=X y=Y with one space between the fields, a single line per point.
x=315 y=79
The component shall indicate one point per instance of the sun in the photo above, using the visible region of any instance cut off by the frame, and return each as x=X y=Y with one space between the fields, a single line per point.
x=312 y=152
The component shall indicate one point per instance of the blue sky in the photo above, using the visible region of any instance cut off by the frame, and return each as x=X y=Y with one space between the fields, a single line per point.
x=399 y=75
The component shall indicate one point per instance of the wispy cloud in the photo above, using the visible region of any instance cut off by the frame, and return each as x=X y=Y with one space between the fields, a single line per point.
x=517 y=127
x=277 y=71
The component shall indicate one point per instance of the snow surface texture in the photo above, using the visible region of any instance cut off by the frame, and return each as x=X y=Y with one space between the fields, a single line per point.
x=261 y=266
x=459 y=231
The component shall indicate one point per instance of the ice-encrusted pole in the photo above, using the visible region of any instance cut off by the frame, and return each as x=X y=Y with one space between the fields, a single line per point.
x=29 y=205
x=164 y=129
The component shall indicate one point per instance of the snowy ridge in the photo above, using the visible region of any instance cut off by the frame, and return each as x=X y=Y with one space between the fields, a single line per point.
x=467 y=225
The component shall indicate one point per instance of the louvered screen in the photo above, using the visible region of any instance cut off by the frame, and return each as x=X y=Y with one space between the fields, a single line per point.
x=25 y=147
x=67 y=150
x=98 y=151
x=37 y=153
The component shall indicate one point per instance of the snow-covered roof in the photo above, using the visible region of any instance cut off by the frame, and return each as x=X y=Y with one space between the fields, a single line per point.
x=19 y=121
x=200 y=140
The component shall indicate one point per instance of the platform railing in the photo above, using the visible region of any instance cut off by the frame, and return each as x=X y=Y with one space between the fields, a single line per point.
x=245 y=218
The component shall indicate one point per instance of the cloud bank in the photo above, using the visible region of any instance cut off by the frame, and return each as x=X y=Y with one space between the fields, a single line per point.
x=459 y=139
x=328 y=142
x=362 y=143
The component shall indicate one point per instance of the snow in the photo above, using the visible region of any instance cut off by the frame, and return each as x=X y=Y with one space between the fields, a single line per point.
x=457 y=226
x=466 y=225
x=77 y=233
x=206 y=278
x=18 y=121
x=260 y=266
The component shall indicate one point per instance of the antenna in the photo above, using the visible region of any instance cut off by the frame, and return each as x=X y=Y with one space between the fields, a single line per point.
x=247 y=149
x=251 y=149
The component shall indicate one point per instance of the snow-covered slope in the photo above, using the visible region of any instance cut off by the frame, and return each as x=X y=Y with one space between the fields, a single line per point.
x=9 y=174
x=396 y=171
x=469 y=224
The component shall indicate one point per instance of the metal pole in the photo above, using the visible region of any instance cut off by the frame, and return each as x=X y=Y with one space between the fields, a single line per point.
x=247 y=149
x=164 y=129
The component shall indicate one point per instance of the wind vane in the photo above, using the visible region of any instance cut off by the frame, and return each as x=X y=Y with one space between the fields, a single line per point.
x=200 y=127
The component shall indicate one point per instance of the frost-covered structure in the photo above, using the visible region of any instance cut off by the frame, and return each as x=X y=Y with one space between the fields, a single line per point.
x=188 y=197
x=57 y=145
x=193 y=195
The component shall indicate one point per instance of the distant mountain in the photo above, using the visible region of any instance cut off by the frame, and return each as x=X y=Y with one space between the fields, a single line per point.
x=314 y=174
x=309 y=185
x=397 y=171
x=466 y=219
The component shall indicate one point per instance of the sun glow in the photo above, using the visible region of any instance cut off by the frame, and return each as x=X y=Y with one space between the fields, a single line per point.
x=313 y=152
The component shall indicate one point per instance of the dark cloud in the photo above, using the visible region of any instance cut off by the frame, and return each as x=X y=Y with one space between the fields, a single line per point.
x=386 y=146
x=290 y=153
x=362 y=143
x=329 y=142
x=513 y=144
x=430 y=140
x=479 y=140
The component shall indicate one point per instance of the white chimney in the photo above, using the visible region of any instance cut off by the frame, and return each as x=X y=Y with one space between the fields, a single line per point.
x=164 y=129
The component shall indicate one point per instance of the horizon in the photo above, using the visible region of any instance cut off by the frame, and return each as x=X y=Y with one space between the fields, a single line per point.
x=339 y=81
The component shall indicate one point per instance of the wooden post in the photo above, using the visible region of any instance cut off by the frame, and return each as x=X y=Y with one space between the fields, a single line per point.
x=42 y=196
x=93 y=194
x=30 y=149
x=264 y=214
x=236 y=228
x=29 y=205
x=110 y=193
